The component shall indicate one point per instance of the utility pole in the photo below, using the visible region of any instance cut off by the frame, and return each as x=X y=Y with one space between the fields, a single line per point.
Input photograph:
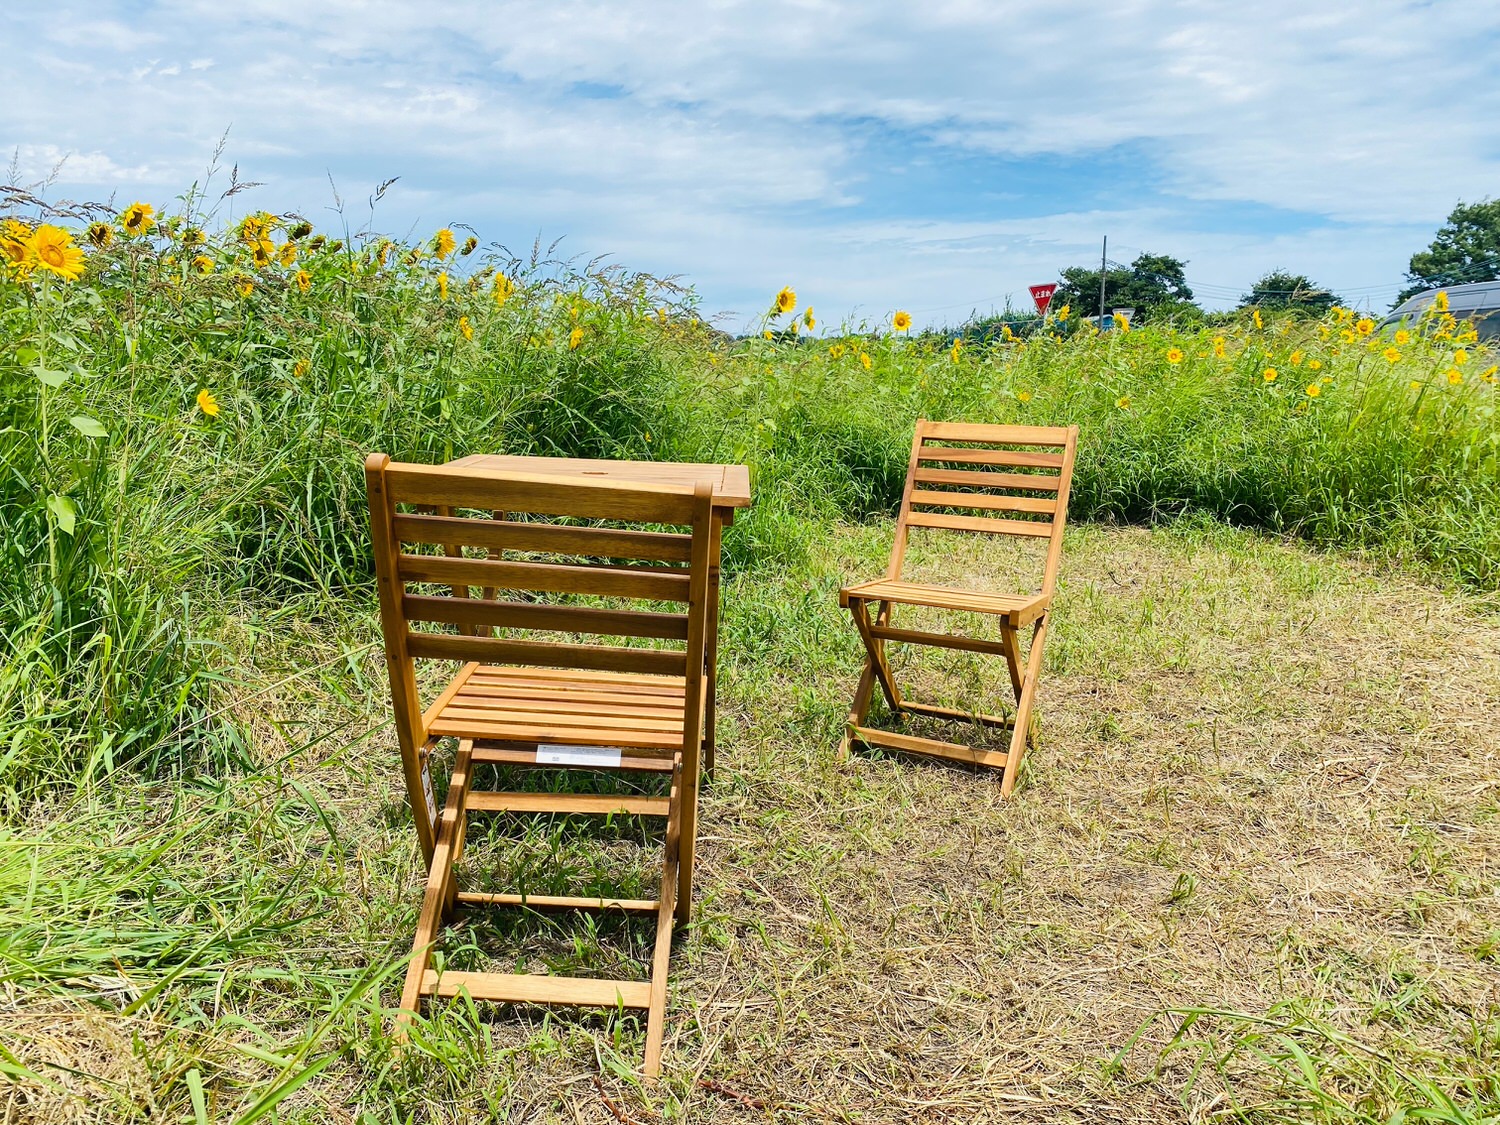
x=1103 y=268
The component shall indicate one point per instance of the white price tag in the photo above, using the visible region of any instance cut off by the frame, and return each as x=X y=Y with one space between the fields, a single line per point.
x=551 y=754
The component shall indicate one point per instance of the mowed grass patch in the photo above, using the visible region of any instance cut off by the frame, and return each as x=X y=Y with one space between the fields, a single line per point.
x=1265 y=799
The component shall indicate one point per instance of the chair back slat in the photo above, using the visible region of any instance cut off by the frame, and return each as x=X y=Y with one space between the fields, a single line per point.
x=487 y=490
x=552 y=578
x=1009 y=480
x=506 y=535
x=488 y=613
x=463 y=554
x=547 y=654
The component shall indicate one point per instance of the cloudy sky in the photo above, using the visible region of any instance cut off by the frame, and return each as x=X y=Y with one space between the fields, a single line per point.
x=936 y=157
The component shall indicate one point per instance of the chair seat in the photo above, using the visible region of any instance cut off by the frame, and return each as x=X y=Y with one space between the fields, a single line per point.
x=1022 y=609
x=568 y=707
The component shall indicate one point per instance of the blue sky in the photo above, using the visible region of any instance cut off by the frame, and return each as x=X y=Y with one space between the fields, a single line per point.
x=873 y=155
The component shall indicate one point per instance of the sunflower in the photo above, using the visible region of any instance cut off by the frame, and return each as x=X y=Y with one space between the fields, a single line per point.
x=1295 y=359
x=466 y=330
x=442 y=284
x=252 y=229
x=1391 y=354
x=261 y=251
x=244 y=285
x=470 y=245
x=207 y=403
x=864 y=359
x=304 y=280
x=15 y=245
x=1403 y=336
x=51 y=248
x=301 y=230
x=1314 y=390
x=1023 y=396
x=901 y=321
x=504 y=287
x=1123 y=402
x=836 y=351
x=1455 y=376
x=1174 y=355
x=809 y=320
x=1364 y=326
x=1256 y=320
x=1314 y=364
x=785 y=301
x=1440 y=302
x=1270 y=374
x=1064 y=312
x=101 y=234
x=443 y=243
x=575 y=338
x=1122 y=322
x=203 y=264
x=138 y=218
x=299 y=368
x=288 y=253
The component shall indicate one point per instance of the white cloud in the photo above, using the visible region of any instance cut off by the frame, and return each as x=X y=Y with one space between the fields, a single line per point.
x=750 y=144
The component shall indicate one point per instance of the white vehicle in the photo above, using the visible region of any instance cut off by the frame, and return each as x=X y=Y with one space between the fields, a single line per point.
x=1479 y=302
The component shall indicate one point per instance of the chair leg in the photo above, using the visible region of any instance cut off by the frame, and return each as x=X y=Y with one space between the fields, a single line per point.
x=875 y=648
x=656 y=1011
x=858 y=710
x=441 y=884
x=1025 y=698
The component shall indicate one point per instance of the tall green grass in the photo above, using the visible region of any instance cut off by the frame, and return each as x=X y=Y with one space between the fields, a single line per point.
x=132 y=519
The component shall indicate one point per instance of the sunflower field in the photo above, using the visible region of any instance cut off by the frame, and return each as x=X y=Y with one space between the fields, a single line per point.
x=185 y=404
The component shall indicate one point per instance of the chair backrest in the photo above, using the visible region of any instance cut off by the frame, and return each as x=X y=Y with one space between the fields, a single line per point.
x=998 y=480
x=444 y=540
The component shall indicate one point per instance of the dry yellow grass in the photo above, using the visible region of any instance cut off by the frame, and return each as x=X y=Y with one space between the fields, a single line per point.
x=1265 y=776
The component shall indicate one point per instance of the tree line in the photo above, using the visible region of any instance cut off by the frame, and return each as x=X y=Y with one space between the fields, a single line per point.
x=1466 y=248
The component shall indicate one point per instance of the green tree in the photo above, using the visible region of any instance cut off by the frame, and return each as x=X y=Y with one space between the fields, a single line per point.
x=1154 y=285
x=1280 y=291
x=1467 y=248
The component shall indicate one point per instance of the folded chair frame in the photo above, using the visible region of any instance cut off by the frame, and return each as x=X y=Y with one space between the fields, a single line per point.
x=526 y=703
x=1032 y=482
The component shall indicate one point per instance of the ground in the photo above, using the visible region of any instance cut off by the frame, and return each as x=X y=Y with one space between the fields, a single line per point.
x=1264 y=799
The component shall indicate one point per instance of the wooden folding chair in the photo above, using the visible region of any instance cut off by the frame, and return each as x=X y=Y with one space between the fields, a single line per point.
x=544 y=703
x=1007 y=480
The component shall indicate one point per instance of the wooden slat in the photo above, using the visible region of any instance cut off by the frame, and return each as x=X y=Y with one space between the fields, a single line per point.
x=955 y=713
x=946 y=597
x=508 y=988
x=730 y=483
x=500 y=535
x=441 y=646
x=939 y=640
x=558 y=902
x=1036 y=528
x=596 y=679
x=562 y=703
x=456 y=714
x=1034 y=482
x=514 y=752
x=538 y=731
x=606 y=694
x=604 y=581
x=1008 y=435
x=949 y=750
x=454 y=685
x=554 y=618
x=1013 y=457
x=485 y=800
x=984 y=500
x=466 y=487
